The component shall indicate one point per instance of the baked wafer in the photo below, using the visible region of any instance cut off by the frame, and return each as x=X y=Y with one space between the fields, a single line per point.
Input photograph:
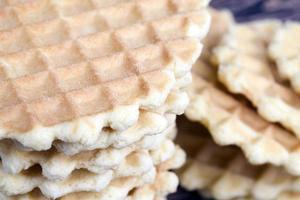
x=148 y=123
x=96 y=60
x=135 y=164
x=231 y=122
x=282 y=196
x=153 y=123
x=139 y=187
x=165 y=183
x=245 y=68
x=124 y=185
x=57 y=165
x=221 y=21
x=284 y=49
x=225 y=173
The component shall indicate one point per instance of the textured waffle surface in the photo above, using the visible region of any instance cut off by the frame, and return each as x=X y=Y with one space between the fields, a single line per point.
x=57 y=165
x=231 y=122
x=165 y=183
x=148 y=123
x=120 y=140
x=221 y=21
x=71 y=59
x=122 y=185
x=134 y=164
x=284 y=49
x=245 y=68
x=226 y=174
x=142 y=188
x=119 y=188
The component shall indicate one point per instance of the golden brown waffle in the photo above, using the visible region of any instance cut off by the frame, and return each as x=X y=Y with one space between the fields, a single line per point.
x=284 y=49
x=65 y=64
x=134 y=164
x=57 y=165
x=231 y=122
x=244 y=67
x=226 y=174
x=119 y=188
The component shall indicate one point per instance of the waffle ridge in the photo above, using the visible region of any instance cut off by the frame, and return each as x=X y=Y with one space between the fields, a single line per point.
x=283 y=49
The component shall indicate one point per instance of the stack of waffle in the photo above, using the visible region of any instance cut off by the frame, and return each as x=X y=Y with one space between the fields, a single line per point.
x=245 y=93
x=89 y=94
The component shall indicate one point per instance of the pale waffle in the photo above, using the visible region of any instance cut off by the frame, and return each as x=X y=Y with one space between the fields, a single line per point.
x=245 y=68
x=66 y=64
x=119 y=188
x=221 y=21
x=231 y=122
x=57 y=165
x=224 y=172
x=165 y=183
x=148 y=123
x=282 y=196
x=134 y=164
x=284 y=49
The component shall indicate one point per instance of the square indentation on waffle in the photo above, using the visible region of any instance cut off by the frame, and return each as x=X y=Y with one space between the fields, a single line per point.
x=22 y=64
x=73 y=7
x=49 y=33
x=9 y=20
x=35 y=11
x=52 y=53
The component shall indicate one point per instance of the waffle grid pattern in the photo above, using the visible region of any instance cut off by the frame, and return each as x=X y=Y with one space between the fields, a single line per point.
x=64 y=56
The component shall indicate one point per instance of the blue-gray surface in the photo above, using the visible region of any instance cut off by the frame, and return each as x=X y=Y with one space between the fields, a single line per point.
x=247 y=10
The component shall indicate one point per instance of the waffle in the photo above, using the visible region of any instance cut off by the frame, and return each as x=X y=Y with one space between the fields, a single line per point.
x=224 y=172
x=221 y=21
x=135 y=164
x=149 y=124
x=57 y=165
x=282 y=196
x=86 y=51
x=284 y=49
x=231 y=122
x=165 y=183
x=119 y=188
x=246 y=69
x=142 y=187
x=122 y=185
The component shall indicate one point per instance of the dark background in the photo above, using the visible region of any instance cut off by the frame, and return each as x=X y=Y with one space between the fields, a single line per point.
x=249 y=10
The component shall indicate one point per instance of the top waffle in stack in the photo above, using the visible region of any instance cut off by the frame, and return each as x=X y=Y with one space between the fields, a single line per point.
x=69 y=68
